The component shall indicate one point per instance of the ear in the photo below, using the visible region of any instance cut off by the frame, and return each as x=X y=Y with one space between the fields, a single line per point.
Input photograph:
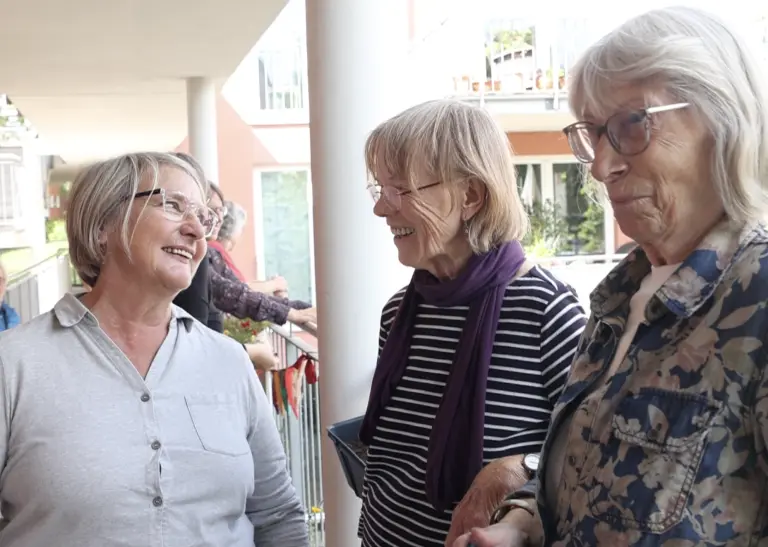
x=103 y=237
x=474 y=199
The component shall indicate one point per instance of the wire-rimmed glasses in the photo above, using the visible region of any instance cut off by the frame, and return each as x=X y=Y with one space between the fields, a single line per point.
x=176 y=207
x=628 y=132
x=393 y=196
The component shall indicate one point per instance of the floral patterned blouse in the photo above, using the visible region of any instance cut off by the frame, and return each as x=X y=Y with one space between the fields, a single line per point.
x=232 y=296
x=670 y=450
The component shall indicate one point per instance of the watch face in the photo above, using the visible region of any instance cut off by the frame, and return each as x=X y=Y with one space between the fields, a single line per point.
x=531 y=462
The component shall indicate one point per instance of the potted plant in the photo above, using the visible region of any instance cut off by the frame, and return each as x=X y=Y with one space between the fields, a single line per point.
x=244 y=331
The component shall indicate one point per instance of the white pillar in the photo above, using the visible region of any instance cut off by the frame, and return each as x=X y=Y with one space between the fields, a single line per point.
x=201 y=125
x=358 y=77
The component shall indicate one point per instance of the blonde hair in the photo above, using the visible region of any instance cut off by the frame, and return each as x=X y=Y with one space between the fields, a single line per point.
x=697 y=59
x=101 y=200
x=453 y=142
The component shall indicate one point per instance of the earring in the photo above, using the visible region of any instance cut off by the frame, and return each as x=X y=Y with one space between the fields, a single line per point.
x=466 y=226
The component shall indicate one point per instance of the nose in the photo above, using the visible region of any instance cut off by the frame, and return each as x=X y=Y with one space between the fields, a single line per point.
x=609 y=165
x=382 y=208
x=192 y=228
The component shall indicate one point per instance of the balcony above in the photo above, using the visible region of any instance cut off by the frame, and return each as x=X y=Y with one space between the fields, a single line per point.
x=101 y=78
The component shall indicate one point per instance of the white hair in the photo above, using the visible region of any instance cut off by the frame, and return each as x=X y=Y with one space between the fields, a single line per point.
x=101 y=199
x=234 y=221
x=696 y=58
x=454 y=142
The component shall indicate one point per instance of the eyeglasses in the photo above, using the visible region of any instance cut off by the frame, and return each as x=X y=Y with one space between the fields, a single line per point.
x=393 y=196
x=220 y=212
x=176 y=207
x=628 y=132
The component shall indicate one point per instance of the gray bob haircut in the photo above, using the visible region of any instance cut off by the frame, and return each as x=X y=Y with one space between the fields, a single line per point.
x=101 y=200
x=233 y=221
x=694 y=57
x=454 y=142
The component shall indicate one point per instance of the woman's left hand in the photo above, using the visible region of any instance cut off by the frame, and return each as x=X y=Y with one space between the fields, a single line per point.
x=495 y=482
x=262 y=356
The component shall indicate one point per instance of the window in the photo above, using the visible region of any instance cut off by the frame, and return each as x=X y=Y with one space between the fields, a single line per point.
x=10 y=201
x=529 y=182
x=283 y=212
x=282 y=78
x=584 y=217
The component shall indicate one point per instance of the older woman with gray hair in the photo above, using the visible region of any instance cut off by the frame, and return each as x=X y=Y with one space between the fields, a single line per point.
x=232 y=226
x=124 y=421
x=660 y=437
x=475 y=350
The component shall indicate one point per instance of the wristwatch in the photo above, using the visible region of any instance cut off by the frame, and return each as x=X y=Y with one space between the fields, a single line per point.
x=530 y=466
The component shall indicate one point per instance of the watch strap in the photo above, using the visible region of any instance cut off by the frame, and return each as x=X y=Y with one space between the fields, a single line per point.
x=508 y=505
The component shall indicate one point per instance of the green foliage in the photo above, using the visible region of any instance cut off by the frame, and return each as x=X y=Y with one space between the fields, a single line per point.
x=590 y=231
x=243 y=330
x=548 y=232
x=55 y=230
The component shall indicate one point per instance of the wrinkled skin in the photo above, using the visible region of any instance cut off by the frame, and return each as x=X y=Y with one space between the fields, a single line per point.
x=494 y=483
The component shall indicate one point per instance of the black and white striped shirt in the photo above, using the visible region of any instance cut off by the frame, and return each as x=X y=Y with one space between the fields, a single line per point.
x=540 y=325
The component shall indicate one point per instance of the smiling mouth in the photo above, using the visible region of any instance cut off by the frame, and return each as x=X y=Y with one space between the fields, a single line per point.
x=400 y=233
x=178 y=251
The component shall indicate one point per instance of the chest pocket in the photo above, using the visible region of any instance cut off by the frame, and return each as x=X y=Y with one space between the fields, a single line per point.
x=642 y=476
x=219 y=424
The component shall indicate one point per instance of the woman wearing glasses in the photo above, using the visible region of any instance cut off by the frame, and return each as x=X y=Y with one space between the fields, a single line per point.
x=124 y=421
x=660 y=436
x=475 y=350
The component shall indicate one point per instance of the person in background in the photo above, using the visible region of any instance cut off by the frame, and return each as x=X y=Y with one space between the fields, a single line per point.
x=232 y=295
x=8 y=316
x=230 y=231
x=198 y=302
x=123 y=421
x=660 y=438
x=475 y=350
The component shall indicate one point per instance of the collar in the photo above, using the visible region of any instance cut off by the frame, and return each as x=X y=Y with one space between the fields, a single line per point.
x=690 y=286
x=70 y=311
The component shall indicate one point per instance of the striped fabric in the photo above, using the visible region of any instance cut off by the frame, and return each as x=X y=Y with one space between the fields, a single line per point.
x=541 y=321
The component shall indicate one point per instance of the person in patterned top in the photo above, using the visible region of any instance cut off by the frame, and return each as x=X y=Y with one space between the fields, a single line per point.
x=660 y=436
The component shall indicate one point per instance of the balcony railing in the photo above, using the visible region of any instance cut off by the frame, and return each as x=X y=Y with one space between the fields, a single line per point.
x=518 y=85
x=36 y=289
x=301 y=435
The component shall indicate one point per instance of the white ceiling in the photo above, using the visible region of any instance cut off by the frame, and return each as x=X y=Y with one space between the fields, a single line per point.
x=97 y=77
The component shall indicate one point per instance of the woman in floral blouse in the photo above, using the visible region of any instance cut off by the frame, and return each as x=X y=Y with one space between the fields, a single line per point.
x=230 y=294
x=660 y=436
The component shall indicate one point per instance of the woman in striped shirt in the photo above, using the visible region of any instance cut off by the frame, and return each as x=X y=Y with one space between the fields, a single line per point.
x=475 y=350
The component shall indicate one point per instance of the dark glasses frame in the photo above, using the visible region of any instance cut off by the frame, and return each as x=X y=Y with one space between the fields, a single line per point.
x=642 y=115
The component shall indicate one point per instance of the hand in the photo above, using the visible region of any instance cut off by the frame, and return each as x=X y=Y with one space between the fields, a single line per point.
x=262 y=356
x=301 y=317
x=503 y=534
x=490 y=487
x=278 y=284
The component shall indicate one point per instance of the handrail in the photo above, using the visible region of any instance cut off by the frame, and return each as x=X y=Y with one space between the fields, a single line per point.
x=310 y=328
x=579 y=259
x=300 y=344
x=30 y=270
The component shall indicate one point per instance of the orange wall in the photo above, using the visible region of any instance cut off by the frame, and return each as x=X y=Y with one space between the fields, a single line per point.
x=539 y=143
x=236 y=161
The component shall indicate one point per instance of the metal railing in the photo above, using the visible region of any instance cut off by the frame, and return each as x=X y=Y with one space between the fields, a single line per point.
x=301 y=436
x=36 y=289
x=581 y=272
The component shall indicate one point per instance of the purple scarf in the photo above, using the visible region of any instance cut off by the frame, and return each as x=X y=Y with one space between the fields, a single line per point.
x=455 y=452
